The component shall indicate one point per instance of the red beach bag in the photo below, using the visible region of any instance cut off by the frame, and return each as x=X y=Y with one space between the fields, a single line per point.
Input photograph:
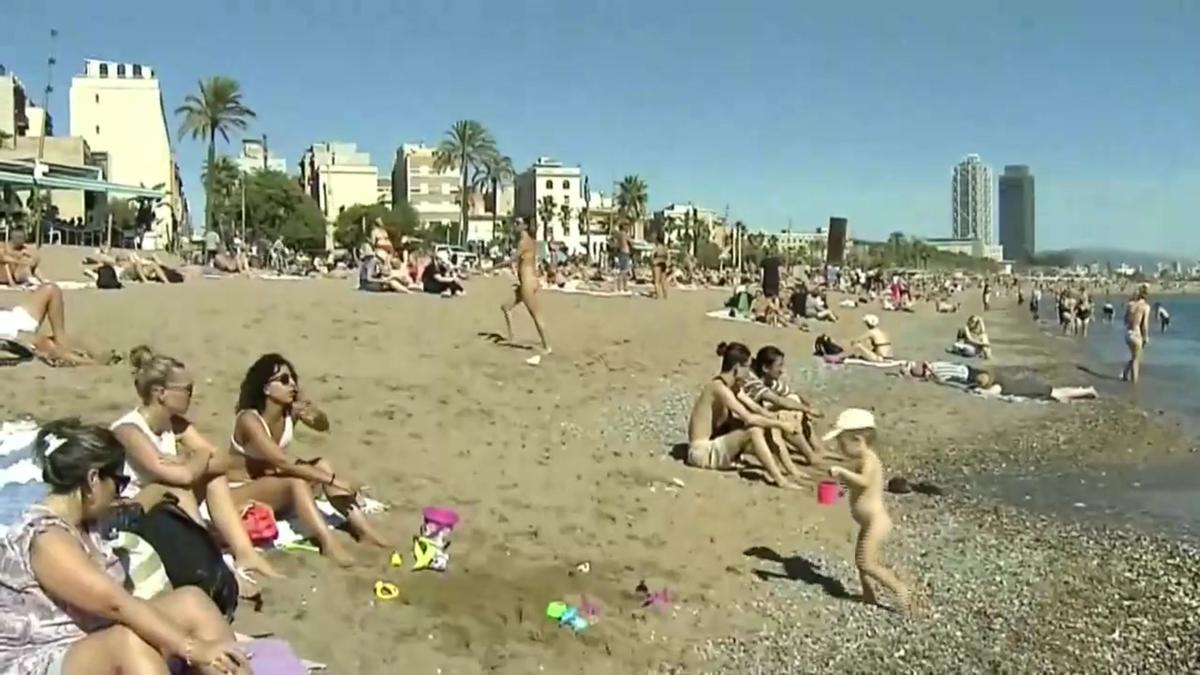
x=259 y=522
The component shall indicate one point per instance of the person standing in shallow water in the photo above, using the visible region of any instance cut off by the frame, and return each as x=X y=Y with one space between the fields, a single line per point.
x=526 y=291
x=1137 y=332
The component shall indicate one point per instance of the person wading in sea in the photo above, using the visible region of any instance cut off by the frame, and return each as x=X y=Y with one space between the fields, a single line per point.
x=1137 y=332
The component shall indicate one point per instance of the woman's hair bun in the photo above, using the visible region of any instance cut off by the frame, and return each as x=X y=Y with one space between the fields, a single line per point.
x=721 y=348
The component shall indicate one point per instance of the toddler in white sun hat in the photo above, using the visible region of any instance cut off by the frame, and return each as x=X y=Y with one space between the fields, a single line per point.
x=854 y=431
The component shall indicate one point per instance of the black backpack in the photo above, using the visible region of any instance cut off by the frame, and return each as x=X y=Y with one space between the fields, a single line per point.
x=188 y=553
x=106 y=278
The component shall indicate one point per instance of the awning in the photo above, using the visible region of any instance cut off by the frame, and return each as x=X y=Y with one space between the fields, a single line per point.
x=73 y=183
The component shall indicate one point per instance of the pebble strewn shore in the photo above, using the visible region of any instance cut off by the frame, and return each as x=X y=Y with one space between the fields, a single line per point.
x=1007 y=593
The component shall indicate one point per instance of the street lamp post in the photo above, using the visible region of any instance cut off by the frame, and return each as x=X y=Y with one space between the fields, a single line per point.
x=37 y=165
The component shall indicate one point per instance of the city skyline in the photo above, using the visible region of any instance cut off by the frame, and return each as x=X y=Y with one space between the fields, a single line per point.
x=763 y=119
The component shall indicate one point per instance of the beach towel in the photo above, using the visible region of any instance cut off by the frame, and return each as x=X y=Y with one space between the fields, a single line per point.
x=283 y=277
x=65 y=285
x=572 y=287
x=839 y=360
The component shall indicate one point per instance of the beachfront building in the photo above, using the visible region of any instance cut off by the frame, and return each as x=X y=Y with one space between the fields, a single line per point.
x=117 y=108
x=257 y=156
x=971 y=200
x=674 y=218
x=972 y=247
x=1016 y=211
x=432 y=194
x=550 y=179
x=338 y=176
x=13 y=120
x=40 y=121
x=383 y=191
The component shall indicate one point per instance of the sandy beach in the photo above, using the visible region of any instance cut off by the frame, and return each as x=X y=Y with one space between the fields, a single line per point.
x=571 y=462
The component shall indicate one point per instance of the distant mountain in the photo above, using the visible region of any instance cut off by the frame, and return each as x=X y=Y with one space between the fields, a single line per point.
x=1113 y=256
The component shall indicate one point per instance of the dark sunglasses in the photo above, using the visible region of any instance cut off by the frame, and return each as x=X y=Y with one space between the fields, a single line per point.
x=283 y=378
x=118 y=477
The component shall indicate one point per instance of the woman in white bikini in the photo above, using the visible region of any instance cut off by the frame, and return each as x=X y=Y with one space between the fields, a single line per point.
x=153 y=435
x=269 y=404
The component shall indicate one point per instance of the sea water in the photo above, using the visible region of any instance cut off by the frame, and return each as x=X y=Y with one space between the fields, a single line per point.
x=1163 y=495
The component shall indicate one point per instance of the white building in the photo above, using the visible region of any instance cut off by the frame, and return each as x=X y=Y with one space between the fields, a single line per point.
x=118 y=109
x=256 y=156
x=971 y=247
x=971 y=198
x=674 y=216
x=338 y=176
x=432 y=194
x=549 y=179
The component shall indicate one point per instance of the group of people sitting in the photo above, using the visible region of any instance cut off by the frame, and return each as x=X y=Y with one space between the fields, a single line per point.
x=382 y=270
x=64 y=605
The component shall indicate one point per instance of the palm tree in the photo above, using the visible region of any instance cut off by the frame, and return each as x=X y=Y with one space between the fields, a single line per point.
x=632 y=198
x=497 y=170
x=546 y=210
x=221 y=179
x=465 y=147
x=216 y=110
x=564 y=213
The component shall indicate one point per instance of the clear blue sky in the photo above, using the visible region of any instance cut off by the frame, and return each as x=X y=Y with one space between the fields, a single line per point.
x=782 y=110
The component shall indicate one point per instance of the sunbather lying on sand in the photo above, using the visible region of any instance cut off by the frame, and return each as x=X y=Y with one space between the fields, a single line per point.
x=873 y=345
x=941 y=372
x=231 y=263
x=45 y=305
x=721 y=428
x=131 y=267
x=1001 y=384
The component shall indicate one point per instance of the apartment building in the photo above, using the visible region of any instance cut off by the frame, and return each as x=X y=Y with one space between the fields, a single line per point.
x=563 y=185
x=257 y=156
x=117 y=108
x=13 y=121
x=432 y=194
x=338 y=176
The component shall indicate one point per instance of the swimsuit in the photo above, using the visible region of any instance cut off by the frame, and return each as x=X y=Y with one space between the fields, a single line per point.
x=285 y=440
x=164 y=443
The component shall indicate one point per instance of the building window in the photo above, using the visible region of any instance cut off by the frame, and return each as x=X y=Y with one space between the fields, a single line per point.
x=566 y=199
x=97 y=128
x=137 y=70
x=566 y=185
x=103 y=70
x=549 y=184
x=120 y=70
x=97 y=98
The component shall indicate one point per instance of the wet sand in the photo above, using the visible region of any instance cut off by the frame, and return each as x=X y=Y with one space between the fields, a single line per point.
x=549 y=466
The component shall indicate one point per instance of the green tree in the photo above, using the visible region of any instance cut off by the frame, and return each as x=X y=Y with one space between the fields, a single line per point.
x=466 y=145
x=215 y=111
x=496 y=170
x=354 y=224
x=223 y=181
x=632 y=198
x=276 y=207
x=546 y=210
x=565 y=213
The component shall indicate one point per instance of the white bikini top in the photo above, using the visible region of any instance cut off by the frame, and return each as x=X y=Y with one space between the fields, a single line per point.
x=284 y=440
x=164 y=443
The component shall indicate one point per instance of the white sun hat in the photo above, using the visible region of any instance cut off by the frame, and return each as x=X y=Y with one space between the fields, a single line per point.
x=871 y=320
x=850 y=419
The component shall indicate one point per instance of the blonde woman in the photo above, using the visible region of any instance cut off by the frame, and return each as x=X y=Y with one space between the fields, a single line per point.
x=166 y=454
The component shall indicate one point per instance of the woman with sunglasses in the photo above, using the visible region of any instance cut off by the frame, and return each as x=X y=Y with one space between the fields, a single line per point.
x=155 y=432
x=269 y=405
x=63 y=607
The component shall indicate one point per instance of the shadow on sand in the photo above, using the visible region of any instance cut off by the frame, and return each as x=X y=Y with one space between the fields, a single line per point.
x=798 y=568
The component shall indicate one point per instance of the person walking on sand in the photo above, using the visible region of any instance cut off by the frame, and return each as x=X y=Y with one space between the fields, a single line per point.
x=854 y=432
x=658 y=265
x=721 y=428
x=1137 y=332
x=624 y=258
x=526 y=290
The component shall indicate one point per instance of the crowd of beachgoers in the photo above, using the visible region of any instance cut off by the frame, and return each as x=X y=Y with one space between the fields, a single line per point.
x=70 y=608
